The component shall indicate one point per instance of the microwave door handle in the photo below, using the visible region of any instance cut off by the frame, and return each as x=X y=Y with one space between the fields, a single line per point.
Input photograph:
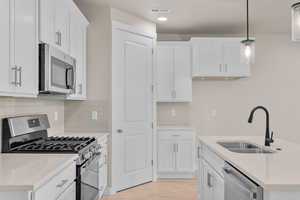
x=69 y=78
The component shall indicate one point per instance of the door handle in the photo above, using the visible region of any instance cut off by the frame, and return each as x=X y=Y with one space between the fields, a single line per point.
x=20 y=76
x=209 y=180
x=120 y=131
x=198 y=152
x=58 y=38
x=15 y=75
x=220 y=68
x=226 y=68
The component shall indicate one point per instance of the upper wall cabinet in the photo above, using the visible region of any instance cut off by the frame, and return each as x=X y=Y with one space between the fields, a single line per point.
x=78 y=29
x=64 y=26
x=174 y=79
x=18 y=50
x=55 y=23
x=218 y=57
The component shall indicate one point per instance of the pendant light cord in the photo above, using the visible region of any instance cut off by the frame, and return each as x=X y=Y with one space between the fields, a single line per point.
x=247 y=19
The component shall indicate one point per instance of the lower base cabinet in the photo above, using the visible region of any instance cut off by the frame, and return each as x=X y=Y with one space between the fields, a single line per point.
x=213 y=184
x=176 y=154
x=69 y=194
x=103 y=168
x=211 y=181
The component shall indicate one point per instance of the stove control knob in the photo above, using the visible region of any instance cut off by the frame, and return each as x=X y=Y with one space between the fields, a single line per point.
x=87 y=156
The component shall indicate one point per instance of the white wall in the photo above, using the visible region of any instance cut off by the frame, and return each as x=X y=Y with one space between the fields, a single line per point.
x=275 y=83
x=99 y=67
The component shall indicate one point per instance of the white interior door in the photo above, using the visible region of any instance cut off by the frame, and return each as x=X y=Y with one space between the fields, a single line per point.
x=131 y=109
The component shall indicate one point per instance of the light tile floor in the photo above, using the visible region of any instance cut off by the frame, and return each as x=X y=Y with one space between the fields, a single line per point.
x=163 y=189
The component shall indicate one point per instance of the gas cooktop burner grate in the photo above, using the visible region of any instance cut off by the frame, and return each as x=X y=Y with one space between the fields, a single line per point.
x=56 y=144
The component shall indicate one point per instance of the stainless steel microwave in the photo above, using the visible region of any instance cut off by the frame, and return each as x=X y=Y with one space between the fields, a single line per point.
x=57 y=71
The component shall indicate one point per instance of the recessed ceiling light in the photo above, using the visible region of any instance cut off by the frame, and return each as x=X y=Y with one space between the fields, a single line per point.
x=162 y=19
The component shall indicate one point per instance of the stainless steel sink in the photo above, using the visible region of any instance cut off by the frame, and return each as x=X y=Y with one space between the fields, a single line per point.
x=244 y=147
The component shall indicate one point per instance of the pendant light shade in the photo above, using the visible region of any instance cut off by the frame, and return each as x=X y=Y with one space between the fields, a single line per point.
x=296 y=22
x=248 y=45
x=248 y=51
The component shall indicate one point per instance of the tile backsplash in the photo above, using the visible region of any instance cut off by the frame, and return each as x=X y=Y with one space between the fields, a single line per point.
x=23 y=106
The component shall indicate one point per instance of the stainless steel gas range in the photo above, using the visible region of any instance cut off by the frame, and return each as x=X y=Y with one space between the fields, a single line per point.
x=28 y=134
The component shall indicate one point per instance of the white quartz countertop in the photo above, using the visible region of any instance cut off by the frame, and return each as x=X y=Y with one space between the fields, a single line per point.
x=179 y=128
x=27 y=172
x=280 y=170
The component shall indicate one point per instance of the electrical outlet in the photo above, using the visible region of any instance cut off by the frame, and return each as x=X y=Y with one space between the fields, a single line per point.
x=213 y=113
x=173 y=112
x=94 y=115
x=55 y=116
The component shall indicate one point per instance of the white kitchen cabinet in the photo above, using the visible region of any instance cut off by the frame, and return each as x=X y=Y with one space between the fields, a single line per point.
x=174 y=81
x=103 y=167
x=19 y=42
x=69 y=194
x=218 y=57
x=184 y=160
x=166 y=155
x=176 y=154
x=211 y=182
x=78 y=29
x=57 y=186
x=55 y=23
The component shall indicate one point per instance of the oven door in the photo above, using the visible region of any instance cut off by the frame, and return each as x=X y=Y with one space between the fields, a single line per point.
x=89 y=180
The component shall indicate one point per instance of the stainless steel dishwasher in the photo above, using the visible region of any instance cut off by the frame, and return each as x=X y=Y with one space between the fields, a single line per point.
x=240 y=187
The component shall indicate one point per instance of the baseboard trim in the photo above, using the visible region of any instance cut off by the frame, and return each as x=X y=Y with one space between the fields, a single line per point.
x=176 y=175
x=109 y=191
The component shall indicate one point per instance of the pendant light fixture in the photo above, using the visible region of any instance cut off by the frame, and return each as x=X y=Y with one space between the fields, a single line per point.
x=248 y=45
x=296 y=22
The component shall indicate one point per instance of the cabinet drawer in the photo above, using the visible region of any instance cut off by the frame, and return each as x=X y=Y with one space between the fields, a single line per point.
x=58 y=184
x=180 y=135
x=215 y=161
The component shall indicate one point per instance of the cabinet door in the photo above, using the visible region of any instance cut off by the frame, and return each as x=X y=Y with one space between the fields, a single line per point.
x=62 y=23
x=103 y=174
x=182 y=73
x=47 y=21
x=24 y=45
x=166 y=156
x=185 y=156
x=200 y=178
x=207 y=57
x=6 y=70
x=232 y=63
x=207 y=184
x=165 y=73
x=68 y=194
x=78 y=27
x=218 y=187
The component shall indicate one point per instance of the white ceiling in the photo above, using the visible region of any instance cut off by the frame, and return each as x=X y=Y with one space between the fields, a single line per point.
x=211 y=16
